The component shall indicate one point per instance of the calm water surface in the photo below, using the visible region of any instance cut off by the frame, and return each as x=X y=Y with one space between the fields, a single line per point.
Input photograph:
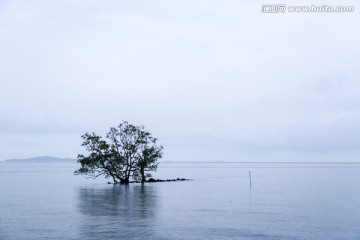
x=286 y=201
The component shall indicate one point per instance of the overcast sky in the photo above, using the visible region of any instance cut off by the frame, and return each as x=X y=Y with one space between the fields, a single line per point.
x=213 y=80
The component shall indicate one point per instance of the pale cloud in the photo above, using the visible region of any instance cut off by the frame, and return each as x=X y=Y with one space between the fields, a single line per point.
x=214 y=81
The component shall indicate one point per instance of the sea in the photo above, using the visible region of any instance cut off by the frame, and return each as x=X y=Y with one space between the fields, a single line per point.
x=219 y=201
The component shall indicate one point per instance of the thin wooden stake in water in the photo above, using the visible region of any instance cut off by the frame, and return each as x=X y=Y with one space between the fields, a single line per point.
x=250 y=178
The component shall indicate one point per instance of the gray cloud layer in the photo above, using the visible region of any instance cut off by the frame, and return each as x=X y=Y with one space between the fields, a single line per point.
x=213 y=80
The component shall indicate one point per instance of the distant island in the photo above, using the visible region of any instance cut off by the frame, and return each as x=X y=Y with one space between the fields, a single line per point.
x=42 y=159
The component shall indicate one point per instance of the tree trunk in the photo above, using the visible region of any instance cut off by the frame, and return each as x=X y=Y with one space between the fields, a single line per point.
x=124 y=181
x=143 y=179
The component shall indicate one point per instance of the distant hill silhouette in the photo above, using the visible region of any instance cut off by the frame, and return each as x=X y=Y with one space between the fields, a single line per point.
x=42 y=159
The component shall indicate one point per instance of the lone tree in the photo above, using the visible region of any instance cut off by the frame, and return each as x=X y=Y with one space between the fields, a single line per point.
x=127 y=151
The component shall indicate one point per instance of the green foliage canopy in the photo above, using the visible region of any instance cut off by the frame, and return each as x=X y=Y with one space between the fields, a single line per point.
x=128 y=151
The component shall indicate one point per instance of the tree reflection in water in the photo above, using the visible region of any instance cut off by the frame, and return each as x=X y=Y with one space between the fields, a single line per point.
x=121 y=211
